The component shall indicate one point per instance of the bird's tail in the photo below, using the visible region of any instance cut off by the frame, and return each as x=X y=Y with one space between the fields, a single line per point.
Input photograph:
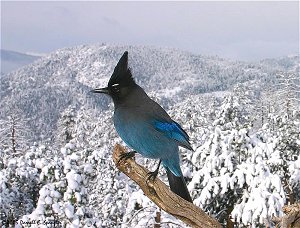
x=178 y=186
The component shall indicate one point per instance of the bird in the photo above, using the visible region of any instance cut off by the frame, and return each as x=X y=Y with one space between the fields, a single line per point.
x=146 y=127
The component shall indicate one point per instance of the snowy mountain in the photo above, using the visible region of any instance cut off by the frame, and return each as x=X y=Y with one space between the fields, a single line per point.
x=243 y=120
x=11 y=60
x=291 y=62
x=43 y=89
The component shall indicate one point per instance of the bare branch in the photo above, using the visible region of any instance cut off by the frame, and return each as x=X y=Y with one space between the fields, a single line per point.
x=292 y=217
x=161 y=195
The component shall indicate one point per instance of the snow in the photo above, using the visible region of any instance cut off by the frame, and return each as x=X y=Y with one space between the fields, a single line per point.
x=69 y=210
x=48 y=200
x=56 y=208
x=73 y=179
x=88 y=168
x=238 y=156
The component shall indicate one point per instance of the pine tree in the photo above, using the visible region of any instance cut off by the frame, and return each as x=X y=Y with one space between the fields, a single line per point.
x=288 y=94
x=285 y=124
x=19 y=183
x=65 y=126
x=216 y=160
x=14 y=134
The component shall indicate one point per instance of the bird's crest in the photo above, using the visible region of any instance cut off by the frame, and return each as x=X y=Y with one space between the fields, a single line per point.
x=122 y=74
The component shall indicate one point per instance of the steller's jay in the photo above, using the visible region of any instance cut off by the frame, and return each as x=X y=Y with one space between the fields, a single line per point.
x=146 y=127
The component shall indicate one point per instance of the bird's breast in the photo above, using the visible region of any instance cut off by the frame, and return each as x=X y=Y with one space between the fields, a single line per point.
x=137 y=132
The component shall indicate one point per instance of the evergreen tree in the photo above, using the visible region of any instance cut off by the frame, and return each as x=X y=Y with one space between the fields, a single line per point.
x=65 y=126
x=14 y=134
x=214 y=183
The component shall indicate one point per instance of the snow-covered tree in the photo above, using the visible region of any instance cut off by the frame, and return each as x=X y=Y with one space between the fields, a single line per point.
x=65 y=126
x=214 y=186
x=288 y=93
x=233 y=177
x=19 y=182
x=240 y=172
x=286 y=149
x=14 y=134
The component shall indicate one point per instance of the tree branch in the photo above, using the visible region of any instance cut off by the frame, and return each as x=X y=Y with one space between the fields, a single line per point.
x=161 y=195
x=291 y=219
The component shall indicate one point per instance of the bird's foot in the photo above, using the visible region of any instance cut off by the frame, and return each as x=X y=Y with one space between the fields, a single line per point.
x=152 y=175
x=126 y=156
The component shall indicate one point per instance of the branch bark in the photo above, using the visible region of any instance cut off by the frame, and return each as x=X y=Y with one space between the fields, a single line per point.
x=161 y=195
x=291 y=219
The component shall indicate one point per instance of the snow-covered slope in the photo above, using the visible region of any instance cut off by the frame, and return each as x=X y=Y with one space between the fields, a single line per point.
x=11 y=60
x=291 y=62
x=246 y=144
x=42 y=90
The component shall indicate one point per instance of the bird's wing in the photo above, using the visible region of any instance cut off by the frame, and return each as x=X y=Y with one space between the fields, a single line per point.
x=174 y=131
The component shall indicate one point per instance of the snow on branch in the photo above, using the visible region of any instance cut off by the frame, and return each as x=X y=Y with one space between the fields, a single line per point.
x=161 y=195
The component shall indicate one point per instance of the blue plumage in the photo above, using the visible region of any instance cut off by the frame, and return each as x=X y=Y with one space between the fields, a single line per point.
x=145 y=126
x=139 y=133
x=174 y=131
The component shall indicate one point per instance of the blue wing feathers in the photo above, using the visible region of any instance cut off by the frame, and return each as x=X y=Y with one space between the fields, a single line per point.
x=174 y=131
x=182 y=131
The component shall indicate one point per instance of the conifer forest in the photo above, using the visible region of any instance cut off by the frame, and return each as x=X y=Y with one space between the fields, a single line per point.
x=57 y=139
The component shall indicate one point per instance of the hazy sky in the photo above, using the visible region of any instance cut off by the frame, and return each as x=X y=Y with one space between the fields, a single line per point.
x=237 y=30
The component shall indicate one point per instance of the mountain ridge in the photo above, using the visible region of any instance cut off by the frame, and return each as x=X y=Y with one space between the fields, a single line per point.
x=43 y=89
x=13 y=60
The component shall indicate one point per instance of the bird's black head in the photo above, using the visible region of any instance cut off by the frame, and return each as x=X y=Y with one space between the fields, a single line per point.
x=121 y=81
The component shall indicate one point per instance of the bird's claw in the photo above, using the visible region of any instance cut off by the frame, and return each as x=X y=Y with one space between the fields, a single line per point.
x=126 y=156
x=151 y=176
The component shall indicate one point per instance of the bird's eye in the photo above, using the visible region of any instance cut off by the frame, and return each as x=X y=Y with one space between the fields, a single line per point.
x=115 y=87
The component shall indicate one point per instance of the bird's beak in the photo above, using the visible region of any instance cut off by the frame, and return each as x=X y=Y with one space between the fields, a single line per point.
x=101 y=90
